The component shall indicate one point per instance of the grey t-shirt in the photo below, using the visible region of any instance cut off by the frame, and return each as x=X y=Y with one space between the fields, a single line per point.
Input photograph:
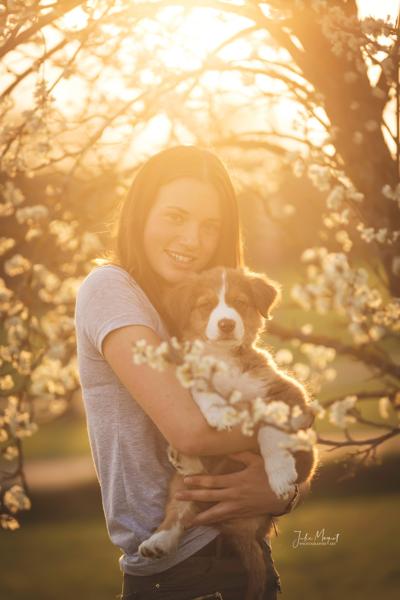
x=128 y=450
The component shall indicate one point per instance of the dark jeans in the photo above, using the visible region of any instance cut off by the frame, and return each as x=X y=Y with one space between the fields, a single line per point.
x=214 y=572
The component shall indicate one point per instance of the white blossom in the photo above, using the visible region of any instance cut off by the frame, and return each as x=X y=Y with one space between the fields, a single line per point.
x=301 y=440
x=307 y=329
x=318 y=410
x=301 y=371
x=284 y=357
x=10 y=453
x=384 y=405
x=17 y=265
x=6 y=244
x=338 y=414
x=8 y=522
x=336 y=197
x=32 y=214
x=320 y=176
x=15 y=499
x=6 y=383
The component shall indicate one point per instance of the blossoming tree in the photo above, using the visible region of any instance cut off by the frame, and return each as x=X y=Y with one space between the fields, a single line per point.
x=83 y=79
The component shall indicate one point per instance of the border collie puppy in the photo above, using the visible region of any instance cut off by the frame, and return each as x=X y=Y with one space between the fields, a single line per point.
x=226 y=308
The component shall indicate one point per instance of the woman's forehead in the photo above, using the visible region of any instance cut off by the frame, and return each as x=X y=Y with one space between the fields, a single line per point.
x=190 y=195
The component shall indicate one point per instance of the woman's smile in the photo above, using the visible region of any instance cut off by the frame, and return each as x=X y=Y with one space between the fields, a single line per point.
x=182 y=259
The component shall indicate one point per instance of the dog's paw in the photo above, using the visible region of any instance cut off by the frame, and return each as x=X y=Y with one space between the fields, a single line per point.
x=282 y=480
x=185 y=465
x=174 y=457
x=159 y=544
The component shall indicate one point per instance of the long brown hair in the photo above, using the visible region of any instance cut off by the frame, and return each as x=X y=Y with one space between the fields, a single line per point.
x=167 y=165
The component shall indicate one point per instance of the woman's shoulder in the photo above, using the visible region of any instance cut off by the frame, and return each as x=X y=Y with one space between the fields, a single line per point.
x=106 y=282
x=107 y=273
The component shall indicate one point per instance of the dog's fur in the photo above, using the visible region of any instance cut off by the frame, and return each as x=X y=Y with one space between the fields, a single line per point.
x=226 y=308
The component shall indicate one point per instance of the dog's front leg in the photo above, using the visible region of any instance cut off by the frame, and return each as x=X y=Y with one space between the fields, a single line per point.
x=178 y=515
x=280 y=465
x=215 y=409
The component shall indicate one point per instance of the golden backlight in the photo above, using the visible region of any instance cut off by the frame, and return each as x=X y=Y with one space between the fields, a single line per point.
x=183 y=38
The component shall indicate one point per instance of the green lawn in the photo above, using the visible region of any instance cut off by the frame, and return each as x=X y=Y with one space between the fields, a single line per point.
x=59 y=560
x=364 y=565
x=67 y=555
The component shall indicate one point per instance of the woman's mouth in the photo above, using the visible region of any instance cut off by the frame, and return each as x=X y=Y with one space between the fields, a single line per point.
x=181 y=259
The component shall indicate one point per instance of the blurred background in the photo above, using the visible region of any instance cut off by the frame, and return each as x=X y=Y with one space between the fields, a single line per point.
x=301 y=101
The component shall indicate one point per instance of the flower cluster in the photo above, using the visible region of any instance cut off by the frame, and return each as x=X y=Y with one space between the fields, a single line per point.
x=17 y=265
x=335 y=285
x=15 y=499
x=381 y=235
x=344 y=34
x=301 y=440
x=316 y=371
x=32 y=215
x=37 y=351
x=339 y=411
x=200 y=371
x=15 y=423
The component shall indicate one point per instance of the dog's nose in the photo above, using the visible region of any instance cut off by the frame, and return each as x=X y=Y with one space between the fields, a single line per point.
x=226 y=325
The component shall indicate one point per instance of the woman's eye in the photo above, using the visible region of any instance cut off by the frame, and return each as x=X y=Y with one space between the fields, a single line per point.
x=175 y=218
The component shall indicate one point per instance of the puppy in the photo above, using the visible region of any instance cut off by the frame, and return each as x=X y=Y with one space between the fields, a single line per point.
x=226 y=309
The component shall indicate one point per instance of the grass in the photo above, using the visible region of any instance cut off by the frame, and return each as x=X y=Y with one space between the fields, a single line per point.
x=60 y=560
x=66 y=553
x=363 y=565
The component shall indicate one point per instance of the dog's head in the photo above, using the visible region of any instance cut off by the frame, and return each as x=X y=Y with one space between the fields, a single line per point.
x=221 y=305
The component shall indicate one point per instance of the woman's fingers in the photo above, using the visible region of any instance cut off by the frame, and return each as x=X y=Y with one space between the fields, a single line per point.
x=214 y=481
x=206 y=495
x=218 y=512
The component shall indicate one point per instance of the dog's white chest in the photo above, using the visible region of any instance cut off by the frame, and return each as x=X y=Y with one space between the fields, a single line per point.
x=214 y=402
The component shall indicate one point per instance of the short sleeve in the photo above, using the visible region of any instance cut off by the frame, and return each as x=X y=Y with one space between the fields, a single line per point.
x=108 y=299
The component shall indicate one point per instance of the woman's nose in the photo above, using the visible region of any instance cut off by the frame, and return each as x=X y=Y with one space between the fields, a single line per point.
x=190 y=236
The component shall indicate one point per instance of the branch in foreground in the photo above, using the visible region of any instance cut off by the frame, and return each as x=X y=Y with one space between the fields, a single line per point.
x=365 y=356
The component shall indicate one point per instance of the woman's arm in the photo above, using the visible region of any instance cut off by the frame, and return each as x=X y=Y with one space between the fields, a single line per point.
x=240 y=494
x=168 y=404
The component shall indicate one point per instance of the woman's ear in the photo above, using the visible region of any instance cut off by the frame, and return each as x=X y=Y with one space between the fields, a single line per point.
x=266 y=293
x=178 y=302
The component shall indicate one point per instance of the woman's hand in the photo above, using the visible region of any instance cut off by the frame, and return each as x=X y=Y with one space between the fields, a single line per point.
x=241 y=494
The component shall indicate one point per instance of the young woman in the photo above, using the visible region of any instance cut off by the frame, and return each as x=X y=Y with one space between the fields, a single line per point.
x=180 y=216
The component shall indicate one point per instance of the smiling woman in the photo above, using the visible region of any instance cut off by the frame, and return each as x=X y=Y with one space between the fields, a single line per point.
x=179 y=217
x=182 y=229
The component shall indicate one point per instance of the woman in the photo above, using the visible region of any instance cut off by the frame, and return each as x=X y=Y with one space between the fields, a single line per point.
x=180 y=216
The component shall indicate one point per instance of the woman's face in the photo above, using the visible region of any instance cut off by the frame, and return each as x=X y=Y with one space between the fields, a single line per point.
x=182 y=229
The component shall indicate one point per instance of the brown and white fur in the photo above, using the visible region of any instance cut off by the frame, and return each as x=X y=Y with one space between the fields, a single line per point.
x=226 y=309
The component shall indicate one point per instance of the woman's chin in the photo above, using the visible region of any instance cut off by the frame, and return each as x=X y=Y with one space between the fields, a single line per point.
x=173 y=277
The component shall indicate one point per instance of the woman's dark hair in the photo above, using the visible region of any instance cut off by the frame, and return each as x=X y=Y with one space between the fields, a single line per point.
x=162 y=168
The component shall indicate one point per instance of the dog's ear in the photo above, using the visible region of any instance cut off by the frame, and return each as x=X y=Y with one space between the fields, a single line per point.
x=266 y=293
x=178 y=301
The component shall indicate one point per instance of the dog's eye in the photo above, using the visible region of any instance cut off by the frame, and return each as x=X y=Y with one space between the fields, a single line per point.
x=203 y=303
x=242 y=301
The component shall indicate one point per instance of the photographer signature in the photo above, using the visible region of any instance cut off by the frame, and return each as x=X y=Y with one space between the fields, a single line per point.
x=318 y=539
